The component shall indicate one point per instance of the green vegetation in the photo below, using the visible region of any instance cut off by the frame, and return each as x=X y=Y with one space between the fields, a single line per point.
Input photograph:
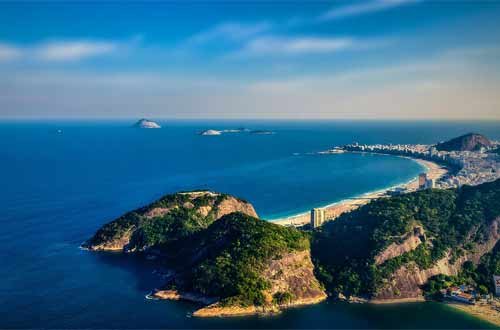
x=453 y=220
x=181 y=220
x=470 y=142
x=177 y=224
x=230 y=255
x=480 y=276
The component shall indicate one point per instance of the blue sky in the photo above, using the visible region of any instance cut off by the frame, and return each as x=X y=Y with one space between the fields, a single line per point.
x=373 y=59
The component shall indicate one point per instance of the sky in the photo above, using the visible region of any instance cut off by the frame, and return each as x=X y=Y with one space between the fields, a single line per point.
x=371 y=59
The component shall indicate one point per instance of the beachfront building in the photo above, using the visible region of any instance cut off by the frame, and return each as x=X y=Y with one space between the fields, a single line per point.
x=422 y=180
x=317 y=217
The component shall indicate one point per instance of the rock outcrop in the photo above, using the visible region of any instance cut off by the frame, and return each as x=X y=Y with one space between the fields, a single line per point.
x=410 y=242
x=407 y=281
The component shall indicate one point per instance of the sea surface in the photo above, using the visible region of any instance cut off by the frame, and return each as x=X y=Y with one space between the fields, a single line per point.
x=62 y=180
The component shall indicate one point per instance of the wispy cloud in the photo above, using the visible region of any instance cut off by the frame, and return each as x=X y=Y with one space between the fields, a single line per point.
x=301 y=45
x=8 y=52
x=58 y=51
x=231 y=31
x=362 y=8
x=73 y=50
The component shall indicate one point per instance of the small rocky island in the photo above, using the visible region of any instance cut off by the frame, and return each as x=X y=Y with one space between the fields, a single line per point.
x=212 y=132
x=146 y=123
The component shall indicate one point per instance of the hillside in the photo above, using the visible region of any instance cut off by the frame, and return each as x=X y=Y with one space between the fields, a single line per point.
x=244 y=265
x=170 y=218
x=219 y=254
x=467 y=142
x=402 y=242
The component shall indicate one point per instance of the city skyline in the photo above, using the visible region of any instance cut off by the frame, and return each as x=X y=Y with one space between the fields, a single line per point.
x=375 y=59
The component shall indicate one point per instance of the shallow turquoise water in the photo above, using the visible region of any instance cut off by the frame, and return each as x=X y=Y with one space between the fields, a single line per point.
x=57 y=189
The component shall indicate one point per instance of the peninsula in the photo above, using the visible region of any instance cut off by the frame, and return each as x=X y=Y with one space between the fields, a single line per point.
x=220 y=254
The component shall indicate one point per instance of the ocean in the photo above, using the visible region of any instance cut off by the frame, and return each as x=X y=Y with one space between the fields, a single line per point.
x=61 y=180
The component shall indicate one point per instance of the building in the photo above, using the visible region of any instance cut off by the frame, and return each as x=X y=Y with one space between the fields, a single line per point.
x=317 y=217
x=422 y=180
x=430 y=183
x=496 y=281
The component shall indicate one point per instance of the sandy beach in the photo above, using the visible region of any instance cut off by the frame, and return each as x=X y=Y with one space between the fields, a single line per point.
x=433 y=170
x=482 y=311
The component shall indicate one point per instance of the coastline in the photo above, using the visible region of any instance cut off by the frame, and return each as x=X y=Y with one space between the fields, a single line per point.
x=483 y=312
x=433 y=170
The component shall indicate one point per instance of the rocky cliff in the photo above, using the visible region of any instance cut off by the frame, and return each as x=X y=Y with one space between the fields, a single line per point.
x=291 y=282
x=408 y=280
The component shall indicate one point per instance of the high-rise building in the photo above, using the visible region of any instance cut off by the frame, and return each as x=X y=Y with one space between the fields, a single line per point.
x=430 y=183
x=317 y=217
x=422 y=180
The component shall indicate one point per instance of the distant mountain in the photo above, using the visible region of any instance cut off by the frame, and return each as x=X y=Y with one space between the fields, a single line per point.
x=467 y=142
x=145 y=123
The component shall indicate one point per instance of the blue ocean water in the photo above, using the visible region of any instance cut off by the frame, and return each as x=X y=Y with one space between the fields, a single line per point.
x=61 y=180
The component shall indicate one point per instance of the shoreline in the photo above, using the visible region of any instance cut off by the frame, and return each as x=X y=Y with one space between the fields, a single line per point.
x=482 y=312
x=433 y=170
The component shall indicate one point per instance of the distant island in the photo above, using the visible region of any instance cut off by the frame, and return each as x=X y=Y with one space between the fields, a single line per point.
x=262 y=132
x=146 y=123
x=428 y=243
x=212 y=132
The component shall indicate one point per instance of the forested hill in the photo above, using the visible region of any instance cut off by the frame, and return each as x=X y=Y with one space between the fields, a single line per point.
x=390 y=247
x=467 y=142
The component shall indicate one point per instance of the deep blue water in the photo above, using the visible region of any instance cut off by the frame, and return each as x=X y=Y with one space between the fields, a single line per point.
x=58 y=188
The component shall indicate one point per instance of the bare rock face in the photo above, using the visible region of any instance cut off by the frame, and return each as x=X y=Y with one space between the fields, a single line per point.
x=407 y=281
x=410 y=242
x=115 y=244
x=291 y=277
x=194 y=209
x=231 y=204
x=294 y=273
